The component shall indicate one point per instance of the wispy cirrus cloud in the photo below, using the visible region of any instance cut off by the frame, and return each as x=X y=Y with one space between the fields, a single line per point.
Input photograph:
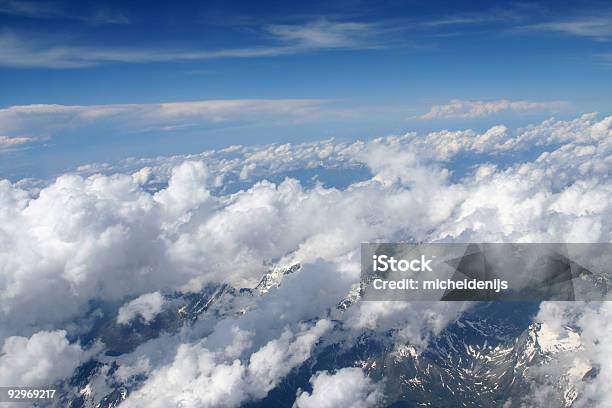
x=47 y=120
x=593 y=27
x=325 y=34
x=20 y=51
x=28 y=9
x=51 y=10
x=10 y=143
x=465 y=109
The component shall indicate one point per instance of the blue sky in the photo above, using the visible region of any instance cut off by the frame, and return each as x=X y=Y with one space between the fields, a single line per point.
x=83 y=83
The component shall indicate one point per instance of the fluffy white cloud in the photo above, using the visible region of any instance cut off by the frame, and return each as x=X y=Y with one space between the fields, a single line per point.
x=596 y=326
x=146 y=306
x=415 y=322
x=348 y=387
x=198 y=377
x=592 y=321
x=77 y=240
x=268 y=337
x=149 y=226
x=458 y=108
x=107 y=237
x=249 y=163
x=186 y=189
x=448 y=143
x=40 y=360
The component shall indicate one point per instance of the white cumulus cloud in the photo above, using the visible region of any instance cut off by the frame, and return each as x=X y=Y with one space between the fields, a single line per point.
x=145 y=227
x=347 y=387
x=40 y=360
x=146 y=306
x=198 y=377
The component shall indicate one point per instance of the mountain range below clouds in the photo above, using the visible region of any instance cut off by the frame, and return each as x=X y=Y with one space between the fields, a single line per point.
x=228 y=278
x=185 y=190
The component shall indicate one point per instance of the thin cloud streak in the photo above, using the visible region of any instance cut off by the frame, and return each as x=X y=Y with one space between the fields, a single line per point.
x=458 y=108
x=18 y=51
x=47 y=120
x=49 y=10
x=9 y=143
x=592 y=27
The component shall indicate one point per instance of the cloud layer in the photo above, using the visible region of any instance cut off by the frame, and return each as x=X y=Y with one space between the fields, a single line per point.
x=458 y=108
x=46 y=120
x=128 y=234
